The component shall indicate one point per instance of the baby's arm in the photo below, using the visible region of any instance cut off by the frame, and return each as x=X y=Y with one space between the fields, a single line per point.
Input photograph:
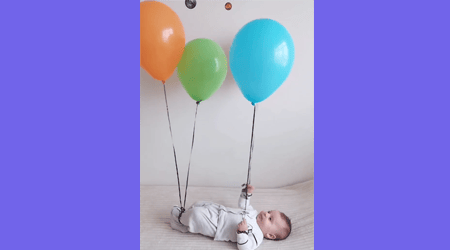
x=243 y=200
x=245 y=239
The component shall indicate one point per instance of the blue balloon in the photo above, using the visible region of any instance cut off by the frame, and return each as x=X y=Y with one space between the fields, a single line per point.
x=261 y=58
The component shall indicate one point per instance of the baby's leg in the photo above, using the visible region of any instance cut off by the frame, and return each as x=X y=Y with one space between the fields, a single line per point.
x=174 y=222
x=201 y=218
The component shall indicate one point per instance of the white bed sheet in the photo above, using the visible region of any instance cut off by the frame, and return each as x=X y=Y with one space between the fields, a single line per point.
x=296 y=201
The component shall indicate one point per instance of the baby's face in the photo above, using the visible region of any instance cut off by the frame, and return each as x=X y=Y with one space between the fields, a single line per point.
x=270 y=222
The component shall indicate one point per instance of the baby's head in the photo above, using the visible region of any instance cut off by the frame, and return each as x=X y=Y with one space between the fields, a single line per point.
x=274 y=225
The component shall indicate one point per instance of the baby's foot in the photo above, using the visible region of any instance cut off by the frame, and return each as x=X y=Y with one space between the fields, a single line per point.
x=174 y=222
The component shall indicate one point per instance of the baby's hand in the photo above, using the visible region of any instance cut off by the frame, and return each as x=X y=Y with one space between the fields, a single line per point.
x=242 y=226
x=250 y=188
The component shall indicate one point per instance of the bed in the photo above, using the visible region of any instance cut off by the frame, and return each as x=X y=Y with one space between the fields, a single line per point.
x=156 y=202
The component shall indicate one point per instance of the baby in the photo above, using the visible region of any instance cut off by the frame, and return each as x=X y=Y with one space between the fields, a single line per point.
x=227 y=224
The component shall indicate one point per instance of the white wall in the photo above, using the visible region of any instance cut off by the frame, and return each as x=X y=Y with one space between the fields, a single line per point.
x=284 y=128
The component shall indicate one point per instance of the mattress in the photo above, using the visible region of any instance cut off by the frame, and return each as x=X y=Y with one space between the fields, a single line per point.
x=156 y=202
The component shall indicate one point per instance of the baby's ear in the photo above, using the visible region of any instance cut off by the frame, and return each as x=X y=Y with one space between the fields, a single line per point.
x=271 y=236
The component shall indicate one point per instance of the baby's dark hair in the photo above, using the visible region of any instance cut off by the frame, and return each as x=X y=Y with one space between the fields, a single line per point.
x=287 y=230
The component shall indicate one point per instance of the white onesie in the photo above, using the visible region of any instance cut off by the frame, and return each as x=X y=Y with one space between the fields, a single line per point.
x=221 y=223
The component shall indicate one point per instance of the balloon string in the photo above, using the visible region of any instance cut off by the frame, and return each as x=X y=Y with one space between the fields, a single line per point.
x=189 y=165
x=173 y=145
x=250 y=157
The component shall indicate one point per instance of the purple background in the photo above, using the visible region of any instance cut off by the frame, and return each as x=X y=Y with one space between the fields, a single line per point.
x=69 y=140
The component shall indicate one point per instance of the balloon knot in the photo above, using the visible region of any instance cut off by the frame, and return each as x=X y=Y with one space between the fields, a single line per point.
x=198 y=102
x=253 y=104
x=179 y=216
x=164 y=82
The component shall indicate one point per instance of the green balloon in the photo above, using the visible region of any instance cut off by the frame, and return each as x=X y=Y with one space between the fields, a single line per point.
x=202 y=68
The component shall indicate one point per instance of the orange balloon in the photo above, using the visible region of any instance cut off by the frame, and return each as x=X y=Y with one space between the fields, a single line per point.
x=162 y=39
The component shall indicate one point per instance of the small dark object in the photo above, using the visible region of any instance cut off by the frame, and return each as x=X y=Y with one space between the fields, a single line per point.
x=190 y=3
x=228 y=6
